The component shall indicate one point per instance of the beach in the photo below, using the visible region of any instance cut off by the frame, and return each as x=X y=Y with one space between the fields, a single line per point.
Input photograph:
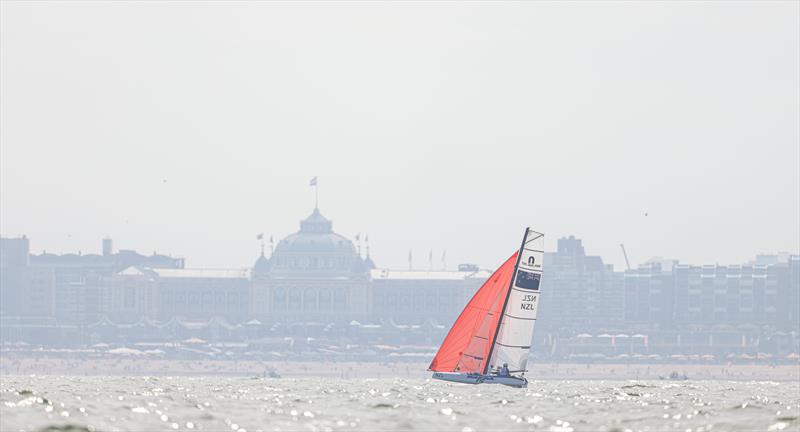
x=125 y=366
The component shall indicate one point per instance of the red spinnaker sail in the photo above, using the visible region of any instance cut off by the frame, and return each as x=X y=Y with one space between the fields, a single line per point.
x=466 y=347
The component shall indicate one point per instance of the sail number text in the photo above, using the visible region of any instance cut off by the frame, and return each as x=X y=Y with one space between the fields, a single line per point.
x=528 y=302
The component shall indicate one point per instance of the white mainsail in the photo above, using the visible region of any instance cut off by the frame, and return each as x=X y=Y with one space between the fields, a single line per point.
x=514 y=335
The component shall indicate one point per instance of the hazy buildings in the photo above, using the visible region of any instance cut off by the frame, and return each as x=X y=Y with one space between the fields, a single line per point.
x=317 y=285
x=81 y=281
x=582 y=293
x=415 y=296
x=50 y=297
x=669 y=295
x=14 y=276
x=132 y=294
x=201 y=294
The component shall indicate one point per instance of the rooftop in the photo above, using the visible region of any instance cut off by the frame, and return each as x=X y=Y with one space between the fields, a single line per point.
x=202 y=273
x=386 y=274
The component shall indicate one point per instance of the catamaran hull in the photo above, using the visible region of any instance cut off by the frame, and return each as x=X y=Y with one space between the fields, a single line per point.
x=480 y=379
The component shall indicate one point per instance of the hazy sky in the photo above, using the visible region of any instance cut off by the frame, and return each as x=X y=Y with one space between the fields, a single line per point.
x=189 y=128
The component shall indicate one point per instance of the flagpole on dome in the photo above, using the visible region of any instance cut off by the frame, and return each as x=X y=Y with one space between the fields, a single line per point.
x=260 y=238
x=313 y=182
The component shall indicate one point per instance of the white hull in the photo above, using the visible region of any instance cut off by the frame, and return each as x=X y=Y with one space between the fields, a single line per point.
x=480 y=379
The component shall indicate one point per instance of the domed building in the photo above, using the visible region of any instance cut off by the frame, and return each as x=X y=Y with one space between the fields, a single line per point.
x=313 y=272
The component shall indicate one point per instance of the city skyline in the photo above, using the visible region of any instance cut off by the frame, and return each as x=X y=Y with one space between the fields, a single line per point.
x=262 y=241
x=441 y=256
x=317 y=285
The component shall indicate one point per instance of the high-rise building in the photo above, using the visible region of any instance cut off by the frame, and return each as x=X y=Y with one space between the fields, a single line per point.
x=580 y=293
x=14 y=275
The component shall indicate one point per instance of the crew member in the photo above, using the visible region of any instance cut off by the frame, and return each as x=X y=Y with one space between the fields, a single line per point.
x=503 y=372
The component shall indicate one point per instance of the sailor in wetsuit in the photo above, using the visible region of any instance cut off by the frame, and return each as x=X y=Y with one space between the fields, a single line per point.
x=503 y=372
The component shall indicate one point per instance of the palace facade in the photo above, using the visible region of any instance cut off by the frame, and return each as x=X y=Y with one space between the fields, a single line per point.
x=314 y=275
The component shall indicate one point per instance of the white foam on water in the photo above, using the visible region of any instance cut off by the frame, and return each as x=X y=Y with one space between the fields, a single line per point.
x=243 y=404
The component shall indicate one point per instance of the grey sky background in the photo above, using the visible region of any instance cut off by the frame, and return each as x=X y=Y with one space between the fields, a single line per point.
x=189 y=128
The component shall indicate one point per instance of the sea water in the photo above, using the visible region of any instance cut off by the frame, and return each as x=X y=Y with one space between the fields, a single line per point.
x=53 y=403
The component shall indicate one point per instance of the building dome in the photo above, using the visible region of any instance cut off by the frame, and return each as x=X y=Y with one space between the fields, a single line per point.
x=261 y=266
x=369 y=263
x=316 y=223
x=315 y=235
x=315 y=249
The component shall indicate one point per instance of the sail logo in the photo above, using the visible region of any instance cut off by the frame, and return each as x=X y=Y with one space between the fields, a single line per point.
x=528 y=280
x=530 y=261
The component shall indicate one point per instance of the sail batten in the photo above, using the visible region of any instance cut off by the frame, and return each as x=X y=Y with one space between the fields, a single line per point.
x=515 y=327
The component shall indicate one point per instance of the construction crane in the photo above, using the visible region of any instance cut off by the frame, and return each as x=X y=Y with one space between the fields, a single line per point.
x=625 y=254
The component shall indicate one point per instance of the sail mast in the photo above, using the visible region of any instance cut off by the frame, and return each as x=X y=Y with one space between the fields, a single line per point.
x=505 y=303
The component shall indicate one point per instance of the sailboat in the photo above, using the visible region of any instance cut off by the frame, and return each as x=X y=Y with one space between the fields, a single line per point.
x=490 y=341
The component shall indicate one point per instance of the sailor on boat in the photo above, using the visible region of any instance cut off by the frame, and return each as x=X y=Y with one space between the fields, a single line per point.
x=503 y=372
